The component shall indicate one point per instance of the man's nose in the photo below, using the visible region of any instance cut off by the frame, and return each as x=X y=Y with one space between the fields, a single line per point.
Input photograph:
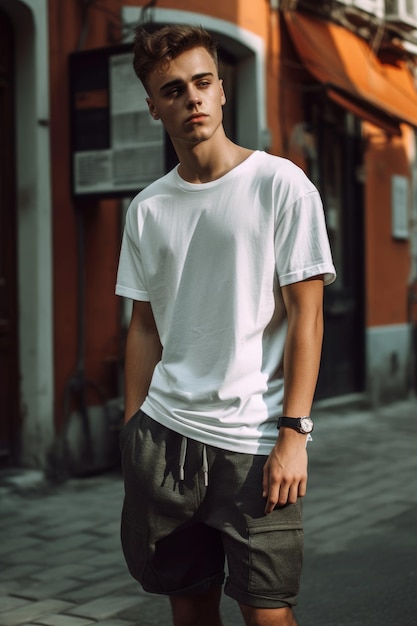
x=194 y=97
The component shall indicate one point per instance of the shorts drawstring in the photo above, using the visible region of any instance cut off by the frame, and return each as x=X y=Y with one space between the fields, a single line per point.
x=205 y=465
x=183 y=454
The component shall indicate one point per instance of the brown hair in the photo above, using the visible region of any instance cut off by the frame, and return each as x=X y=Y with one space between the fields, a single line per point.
x=161 y=46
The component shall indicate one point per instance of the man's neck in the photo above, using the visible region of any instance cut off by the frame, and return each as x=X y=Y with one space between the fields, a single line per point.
x=205 y=163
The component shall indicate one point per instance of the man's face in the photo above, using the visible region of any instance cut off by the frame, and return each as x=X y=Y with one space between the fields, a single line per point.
x=187 y=96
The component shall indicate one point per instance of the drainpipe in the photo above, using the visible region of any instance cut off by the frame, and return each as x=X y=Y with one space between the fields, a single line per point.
x=412 y=283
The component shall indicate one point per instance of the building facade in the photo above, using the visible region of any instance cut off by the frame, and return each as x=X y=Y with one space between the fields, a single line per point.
x=330 y=85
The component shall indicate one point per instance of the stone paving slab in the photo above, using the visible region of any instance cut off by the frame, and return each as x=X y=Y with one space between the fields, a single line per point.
x=9 y=603
x=32 y=610
x=32 y=589
x=64 y=620
x=105 y=606
x=61 y=562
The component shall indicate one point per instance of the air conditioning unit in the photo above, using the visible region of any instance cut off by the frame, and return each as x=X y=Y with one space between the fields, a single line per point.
x=374 y=7
x=402 y=12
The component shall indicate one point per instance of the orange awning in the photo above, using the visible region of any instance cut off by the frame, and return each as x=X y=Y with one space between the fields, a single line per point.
x=383 y=94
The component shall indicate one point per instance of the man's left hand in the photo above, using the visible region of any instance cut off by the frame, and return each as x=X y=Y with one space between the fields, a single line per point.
x=285 y=471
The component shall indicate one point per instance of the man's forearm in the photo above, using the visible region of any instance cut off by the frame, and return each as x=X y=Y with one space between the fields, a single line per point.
x=143 y=352
x=301 y=363
x=304 y=304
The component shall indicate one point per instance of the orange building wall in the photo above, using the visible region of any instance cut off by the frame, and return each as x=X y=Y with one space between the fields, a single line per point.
x=245 y=13
x=287 y=104
x=387 y=261
x=102 y=230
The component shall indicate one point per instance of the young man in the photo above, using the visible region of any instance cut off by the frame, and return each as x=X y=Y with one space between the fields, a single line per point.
x=225 y=259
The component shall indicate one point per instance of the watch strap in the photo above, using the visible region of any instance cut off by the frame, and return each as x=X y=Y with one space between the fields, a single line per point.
x=293 y=422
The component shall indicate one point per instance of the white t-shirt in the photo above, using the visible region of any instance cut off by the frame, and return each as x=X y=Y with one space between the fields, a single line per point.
x=211 y=258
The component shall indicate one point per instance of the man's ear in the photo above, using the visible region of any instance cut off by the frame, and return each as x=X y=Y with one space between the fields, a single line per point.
x=222 y=94
x=152 y=109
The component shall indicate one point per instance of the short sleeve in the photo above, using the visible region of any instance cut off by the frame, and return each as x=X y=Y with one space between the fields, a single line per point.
x=131 y=281
x=302 y=248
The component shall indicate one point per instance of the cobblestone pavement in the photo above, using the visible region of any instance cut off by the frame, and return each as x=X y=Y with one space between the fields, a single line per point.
x=61 y=562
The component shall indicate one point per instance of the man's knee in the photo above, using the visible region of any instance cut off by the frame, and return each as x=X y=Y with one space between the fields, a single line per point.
x=254 y=616
x=200 y=609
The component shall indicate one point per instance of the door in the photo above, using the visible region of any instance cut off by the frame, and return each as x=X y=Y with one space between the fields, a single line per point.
x=336 y=172
x=8 y=270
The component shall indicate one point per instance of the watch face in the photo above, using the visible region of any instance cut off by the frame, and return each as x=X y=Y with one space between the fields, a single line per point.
x=306 y=424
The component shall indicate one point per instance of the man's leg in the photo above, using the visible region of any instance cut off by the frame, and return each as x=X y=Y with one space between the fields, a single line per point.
x=200 y=609
x=267 y=617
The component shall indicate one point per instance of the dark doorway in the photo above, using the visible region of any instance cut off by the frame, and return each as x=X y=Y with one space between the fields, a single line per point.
x=336 y=169
x=9 y=404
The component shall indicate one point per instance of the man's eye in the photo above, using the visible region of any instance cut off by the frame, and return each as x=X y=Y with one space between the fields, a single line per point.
x=172 y=93
x=204 y=83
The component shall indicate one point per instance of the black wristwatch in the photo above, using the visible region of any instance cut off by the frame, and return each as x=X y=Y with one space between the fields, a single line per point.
x=303 y=425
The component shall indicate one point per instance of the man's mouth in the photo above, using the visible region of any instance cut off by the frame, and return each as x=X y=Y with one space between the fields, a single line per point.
x=195 y=117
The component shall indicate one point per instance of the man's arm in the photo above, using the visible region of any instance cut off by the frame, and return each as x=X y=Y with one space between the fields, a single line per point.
x=143 y=352
x=285 y=472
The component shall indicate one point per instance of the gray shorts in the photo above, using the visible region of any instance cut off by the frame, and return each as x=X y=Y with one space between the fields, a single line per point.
x=177 y=531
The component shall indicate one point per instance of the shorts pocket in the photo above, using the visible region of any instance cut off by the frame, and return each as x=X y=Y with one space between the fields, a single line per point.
x=127 y=427
x=275 y=554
